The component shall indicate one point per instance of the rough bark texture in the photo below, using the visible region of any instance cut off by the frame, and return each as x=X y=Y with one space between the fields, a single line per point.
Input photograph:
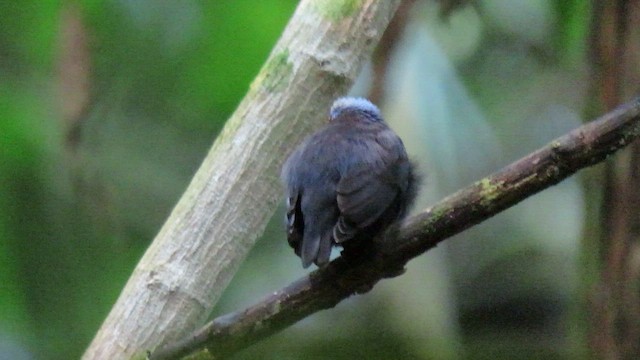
x=325 y=288
x=233 y=194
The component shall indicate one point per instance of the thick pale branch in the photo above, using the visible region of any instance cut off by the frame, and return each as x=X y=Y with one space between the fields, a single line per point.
x=233 y=195
x=324 y=288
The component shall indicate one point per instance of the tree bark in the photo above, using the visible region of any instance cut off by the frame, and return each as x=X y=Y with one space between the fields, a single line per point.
x=233 y=194
x=614 y=331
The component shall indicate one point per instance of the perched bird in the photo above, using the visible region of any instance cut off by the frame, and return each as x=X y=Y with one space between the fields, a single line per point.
x=346 y=183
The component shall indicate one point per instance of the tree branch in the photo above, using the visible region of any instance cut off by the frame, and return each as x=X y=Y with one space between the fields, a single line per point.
x=324 y=288
x=233 y=194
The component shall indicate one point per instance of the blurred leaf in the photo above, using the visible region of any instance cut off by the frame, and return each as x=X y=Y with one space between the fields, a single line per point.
x=27 y=32
x=574 y=17
x=236 y=39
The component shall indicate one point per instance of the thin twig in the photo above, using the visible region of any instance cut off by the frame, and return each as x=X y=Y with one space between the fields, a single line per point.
x=324 y=288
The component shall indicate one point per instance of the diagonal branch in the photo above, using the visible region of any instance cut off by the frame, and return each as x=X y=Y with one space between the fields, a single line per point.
x=232 y=195
x=324 y=288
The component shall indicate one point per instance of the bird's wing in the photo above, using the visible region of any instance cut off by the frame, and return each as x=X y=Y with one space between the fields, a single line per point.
x=318 y=205
x=311 y=241
x=311 y=204
x=362 y=198
x=368 y=189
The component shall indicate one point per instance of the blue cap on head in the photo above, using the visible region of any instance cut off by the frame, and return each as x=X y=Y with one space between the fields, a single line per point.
x=354 y=103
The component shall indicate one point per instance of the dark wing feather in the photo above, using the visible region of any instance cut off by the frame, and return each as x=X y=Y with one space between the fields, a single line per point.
x=361 y=204
x=317 y=240
x=294 y=222
x=364 y=204
x=370 y=188
x=310 y=177
x=324 y=251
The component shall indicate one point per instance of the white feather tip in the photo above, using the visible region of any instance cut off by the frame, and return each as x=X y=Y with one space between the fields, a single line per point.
x=358 y=103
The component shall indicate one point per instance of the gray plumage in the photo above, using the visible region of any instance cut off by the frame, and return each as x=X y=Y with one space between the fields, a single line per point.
x=346 y=183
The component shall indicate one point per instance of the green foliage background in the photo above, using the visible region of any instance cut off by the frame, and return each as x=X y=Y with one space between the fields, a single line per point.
x=75 y=217
x=73 y=223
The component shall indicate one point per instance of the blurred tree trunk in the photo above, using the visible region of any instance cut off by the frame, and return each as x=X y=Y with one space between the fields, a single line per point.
x=615 y=329
x=233 y=194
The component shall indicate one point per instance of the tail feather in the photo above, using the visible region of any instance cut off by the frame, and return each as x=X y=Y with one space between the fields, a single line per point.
x=324 y=251
x=309 y=253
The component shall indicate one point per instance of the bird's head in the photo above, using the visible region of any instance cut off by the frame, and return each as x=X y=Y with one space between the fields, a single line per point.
x=354 y=106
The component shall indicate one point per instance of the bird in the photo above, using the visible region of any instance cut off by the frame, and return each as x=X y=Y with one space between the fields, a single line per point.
x=346 y=183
